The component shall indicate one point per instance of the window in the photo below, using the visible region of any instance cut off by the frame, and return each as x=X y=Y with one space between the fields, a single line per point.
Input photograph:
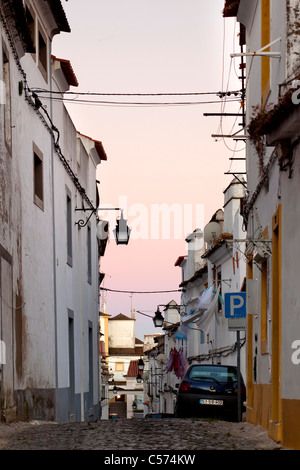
x=38 y=183
x=69 y=227
x=31 y=25
x=89 y=254
x=210 y=373
x=202 y=337
x=119 y=366
x=42 y=54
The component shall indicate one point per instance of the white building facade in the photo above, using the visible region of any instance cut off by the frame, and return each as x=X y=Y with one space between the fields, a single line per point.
x=209 y=338
x=271 y=214
x=49 y=263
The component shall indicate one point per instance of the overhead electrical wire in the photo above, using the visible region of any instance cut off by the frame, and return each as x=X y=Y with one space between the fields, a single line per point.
x=134 y=104
x=89 y=93
x=139 y=292
x=225 y=101
x=231 y=96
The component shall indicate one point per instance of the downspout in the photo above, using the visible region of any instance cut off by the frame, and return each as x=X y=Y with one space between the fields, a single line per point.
x=54 y=249
x=81 y=324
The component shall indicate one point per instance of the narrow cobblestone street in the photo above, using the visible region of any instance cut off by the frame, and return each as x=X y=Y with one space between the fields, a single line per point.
x=136 y=434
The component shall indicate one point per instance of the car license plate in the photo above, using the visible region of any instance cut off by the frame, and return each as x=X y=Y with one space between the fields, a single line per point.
x=205 y=401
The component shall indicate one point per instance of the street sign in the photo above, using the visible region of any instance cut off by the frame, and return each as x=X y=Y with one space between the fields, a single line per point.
x=236 y=324
x=235 y=311
x=235 y=305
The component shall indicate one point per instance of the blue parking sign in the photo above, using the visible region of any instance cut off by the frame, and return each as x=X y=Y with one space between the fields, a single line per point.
x=235 y=305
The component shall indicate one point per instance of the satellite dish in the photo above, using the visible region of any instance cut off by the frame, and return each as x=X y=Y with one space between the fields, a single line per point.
x=212 y=231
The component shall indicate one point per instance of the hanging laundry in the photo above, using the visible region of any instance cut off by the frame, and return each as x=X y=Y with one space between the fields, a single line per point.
x=205 y=298
x=182 y=364
x=181 y=333
x=177 y=362
x=170 y=362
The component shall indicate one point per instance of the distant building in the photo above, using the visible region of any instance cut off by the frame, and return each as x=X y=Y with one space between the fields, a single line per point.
x=124 y=350
x=104 y=374
x=163 y=371
x=223 y=270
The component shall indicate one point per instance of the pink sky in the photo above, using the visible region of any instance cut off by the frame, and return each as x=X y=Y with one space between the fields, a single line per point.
x=159 y=154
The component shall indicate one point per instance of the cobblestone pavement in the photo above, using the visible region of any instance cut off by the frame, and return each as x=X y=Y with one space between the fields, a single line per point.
x=136 y=434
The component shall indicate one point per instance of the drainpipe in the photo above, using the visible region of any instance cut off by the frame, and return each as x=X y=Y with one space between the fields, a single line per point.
x=81 y=324
x=54 y=248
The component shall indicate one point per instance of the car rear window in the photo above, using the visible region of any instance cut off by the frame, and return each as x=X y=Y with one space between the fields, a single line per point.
x=221 y=374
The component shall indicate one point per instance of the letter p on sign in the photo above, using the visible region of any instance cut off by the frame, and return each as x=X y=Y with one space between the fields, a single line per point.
x=235 y=305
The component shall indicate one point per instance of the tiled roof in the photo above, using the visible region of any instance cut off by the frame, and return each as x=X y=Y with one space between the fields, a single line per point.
x=231 y=8
x=98 y=146
x=59 y=15
x=68 y=71
x=133 y=369
x=138 y=351
x=179 y=260
x=120 y=317
x=138 y=341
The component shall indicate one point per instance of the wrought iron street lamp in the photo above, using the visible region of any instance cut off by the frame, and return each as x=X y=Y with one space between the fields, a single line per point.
x=141 y=365
x=158 y=319
x=122 y=231
x=139 y=378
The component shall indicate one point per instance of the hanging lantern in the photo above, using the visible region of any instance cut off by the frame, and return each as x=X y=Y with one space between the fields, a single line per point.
x=141 y=365
x=122 y=231
x=139 y=378
x=158 y=319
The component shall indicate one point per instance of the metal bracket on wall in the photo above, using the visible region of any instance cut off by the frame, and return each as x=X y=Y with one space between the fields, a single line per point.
x=81 y=223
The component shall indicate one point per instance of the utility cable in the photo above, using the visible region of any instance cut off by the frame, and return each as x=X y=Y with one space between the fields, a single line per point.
x=88 y=93
x=139 y=292
x=136 y=103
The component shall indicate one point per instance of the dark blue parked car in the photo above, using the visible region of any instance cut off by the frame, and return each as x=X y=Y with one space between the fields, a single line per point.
x=210 y=390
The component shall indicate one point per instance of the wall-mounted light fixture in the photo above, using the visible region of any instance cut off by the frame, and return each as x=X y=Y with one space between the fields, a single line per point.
x=121 y=232
x=139 y=378
x=158 y=319
x=81 y=223
x=141 y=365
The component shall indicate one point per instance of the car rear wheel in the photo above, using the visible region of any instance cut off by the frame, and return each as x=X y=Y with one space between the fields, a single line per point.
x=179 y=413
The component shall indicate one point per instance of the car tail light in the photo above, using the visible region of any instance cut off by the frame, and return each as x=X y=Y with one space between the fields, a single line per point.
x=243 y=389
x=184 y=386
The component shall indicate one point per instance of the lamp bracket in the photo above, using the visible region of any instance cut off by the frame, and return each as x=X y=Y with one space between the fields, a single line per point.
x=81 y=223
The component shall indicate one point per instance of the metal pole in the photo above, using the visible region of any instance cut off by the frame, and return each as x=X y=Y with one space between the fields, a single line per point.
x=239 y=375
